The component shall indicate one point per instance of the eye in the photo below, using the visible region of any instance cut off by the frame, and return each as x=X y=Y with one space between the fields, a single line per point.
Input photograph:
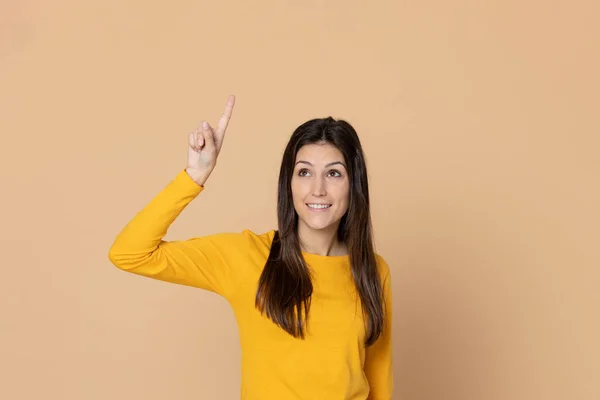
x=303 y=172
x=335 y=173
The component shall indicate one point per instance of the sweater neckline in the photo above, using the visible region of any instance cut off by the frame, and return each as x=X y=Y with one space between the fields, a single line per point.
x=320 y=259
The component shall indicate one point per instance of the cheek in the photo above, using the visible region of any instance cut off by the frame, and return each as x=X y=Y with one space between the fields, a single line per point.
x=346 y=203
x=343 y=194
x=297 y=192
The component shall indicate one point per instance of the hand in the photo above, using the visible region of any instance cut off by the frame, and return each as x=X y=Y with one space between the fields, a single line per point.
x=205 y=144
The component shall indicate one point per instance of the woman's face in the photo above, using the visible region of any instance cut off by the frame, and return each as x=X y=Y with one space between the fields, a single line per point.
x=320 y=186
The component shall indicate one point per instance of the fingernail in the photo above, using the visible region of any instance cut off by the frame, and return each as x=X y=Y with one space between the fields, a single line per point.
x=205 y=125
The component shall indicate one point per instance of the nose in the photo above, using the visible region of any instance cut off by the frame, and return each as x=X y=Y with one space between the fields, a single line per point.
x=319 y=187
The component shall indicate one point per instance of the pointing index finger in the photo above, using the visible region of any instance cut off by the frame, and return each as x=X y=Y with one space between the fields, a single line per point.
x=224 y=121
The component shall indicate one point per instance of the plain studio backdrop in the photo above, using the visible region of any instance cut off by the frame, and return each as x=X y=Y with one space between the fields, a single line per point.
x=480 y=121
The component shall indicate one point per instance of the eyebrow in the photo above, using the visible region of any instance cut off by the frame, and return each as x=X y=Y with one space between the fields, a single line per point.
x=326 y=166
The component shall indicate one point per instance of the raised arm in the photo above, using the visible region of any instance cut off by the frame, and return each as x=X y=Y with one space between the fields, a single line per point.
x=204 y=262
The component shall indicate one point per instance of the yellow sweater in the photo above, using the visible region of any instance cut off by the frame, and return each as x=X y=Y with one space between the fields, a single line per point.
x=331 y=363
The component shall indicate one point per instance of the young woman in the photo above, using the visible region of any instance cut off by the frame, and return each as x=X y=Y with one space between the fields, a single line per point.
x=312 y=299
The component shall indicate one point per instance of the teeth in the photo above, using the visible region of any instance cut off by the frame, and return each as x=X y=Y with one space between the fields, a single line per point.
x=319 y=205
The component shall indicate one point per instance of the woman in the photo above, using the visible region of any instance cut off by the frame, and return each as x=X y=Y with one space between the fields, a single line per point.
x=312 y=299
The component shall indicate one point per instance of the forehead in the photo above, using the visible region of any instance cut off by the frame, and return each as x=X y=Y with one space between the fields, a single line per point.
x=318 y=153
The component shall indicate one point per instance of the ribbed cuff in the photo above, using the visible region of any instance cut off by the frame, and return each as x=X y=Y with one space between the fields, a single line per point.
x=185 y=183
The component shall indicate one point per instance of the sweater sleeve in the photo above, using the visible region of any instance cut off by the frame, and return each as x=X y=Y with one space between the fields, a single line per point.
x=378 y=357
x=204 y=262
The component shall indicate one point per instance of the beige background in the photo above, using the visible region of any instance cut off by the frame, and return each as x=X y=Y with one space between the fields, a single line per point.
x=480 y=122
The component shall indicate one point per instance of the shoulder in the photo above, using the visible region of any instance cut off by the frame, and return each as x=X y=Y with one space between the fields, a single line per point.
x=249 y=242
x=242 y=240
x=245 y=235
x=258 y=240
x=382 y=266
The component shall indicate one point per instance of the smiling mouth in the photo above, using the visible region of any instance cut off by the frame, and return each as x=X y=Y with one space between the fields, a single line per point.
x=318 y=207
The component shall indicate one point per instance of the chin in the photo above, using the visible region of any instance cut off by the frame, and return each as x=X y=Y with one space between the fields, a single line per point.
x=319 y=226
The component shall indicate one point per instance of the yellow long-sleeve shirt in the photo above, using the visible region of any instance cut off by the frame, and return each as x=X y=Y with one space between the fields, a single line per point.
x=330 y=363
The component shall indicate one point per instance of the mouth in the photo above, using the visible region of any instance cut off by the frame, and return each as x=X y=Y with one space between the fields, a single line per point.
x=318 y=206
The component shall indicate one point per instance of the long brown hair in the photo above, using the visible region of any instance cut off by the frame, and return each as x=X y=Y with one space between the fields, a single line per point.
x=285 y=287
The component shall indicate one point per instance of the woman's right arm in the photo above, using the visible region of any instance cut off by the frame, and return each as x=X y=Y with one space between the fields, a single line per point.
x=204 y=262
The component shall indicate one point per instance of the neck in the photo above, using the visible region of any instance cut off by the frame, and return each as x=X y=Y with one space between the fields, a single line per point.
x=322 y=242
